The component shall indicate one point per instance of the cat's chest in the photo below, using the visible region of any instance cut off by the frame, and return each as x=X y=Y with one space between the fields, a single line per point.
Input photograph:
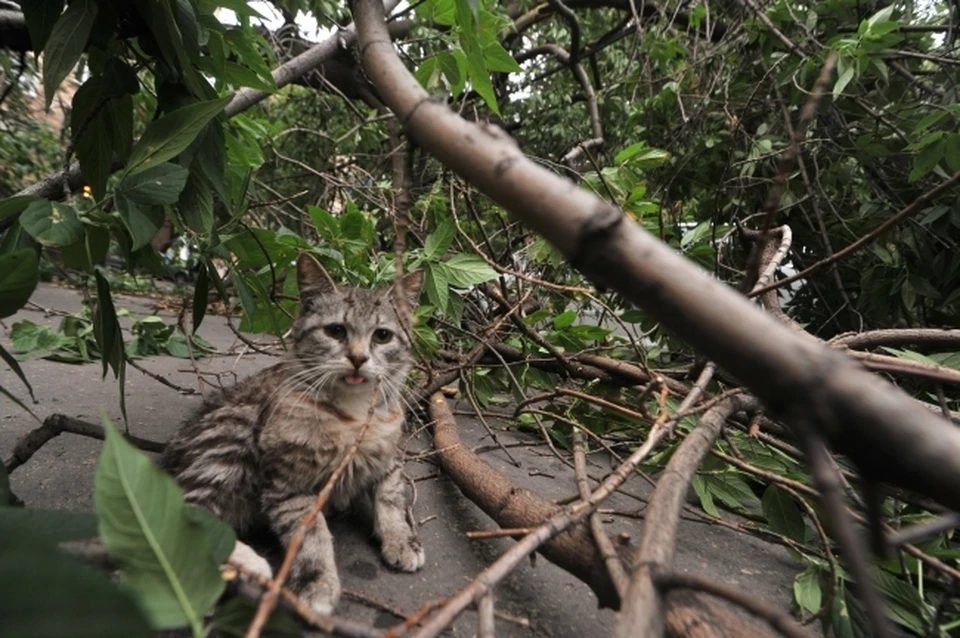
x=303 y=450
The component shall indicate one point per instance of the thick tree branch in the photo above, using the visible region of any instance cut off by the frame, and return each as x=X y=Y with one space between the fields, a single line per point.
x=804 y=383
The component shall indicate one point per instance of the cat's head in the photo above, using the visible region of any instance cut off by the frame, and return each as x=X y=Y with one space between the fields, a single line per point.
x=352 y=336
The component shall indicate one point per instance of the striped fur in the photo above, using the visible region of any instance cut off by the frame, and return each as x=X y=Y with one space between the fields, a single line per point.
x=262 y=449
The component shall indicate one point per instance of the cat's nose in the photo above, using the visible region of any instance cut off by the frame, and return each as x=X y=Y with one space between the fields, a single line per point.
x=357 y=359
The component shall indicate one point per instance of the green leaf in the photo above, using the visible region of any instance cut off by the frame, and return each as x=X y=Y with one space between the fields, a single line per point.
x=94 y=151
x=438 y=242
x=564 y=319
x=428 y=72
x=351 y=225
x=477 y=70
x=164 y=553
x=220 y=536
x=842 y=82
x=451 y=70
x=15 y=366
x=196 y=204
x=36 y=342
x=465 y=270
x=47 y=593
x=109 y=337
x=142 y=222
x=18 y=279
x=325 y=223
x=806 y=590
x=52 y=223
x=782 y=513
x=66 y=43
x=706 y=499
x=695 y=235
x=155 y=186
x=169 y=135
x=951 y=151
x=40 y=16
x=201 y=292
x=437 y=286
x=497 y=58
x=926 y=160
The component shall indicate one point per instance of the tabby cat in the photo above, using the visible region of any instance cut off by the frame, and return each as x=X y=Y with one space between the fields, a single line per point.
x=262 y=450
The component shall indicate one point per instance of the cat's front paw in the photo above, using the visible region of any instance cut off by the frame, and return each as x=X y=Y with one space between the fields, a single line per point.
x=322 y=594
x=246 y=557
x=405 y=555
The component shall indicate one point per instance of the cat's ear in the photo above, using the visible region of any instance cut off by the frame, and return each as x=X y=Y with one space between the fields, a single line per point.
x=312 y=279
x=412 y=283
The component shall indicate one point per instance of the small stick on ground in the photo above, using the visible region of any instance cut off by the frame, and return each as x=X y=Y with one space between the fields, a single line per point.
x=604 y=545
x=57 y=424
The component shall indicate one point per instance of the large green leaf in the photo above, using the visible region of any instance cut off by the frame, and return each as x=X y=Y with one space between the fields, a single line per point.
x=46 y=593
x=158 y=185
x=164 y=553
x=52 y=223
x=169 y=135
x=18 y=279
x=65 y=45
x=465 y=270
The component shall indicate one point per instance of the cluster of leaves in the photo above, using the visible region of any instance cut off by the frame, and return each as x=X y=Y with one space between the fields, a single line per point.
x=74 y=340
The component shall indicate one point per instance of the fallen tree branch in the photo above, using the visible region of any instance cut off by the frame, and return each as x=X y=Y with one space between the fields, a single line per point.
x=803 y=382
x=571 y=549
x=514 y=507
x=643 y=607
x=57 y=424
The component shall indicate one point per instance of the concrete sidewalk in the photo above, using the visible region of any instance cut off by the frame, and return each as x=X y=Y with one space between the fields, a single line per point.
x=536 y=600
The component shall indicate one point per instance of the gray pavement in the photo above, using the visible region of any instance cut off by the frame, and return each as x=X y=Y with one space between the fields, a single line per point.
x=536 y=600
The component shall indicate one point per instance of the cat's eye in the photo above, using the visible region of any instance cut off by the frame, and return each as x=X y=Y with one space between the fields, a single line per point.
x=382 y=335
x=335 y=330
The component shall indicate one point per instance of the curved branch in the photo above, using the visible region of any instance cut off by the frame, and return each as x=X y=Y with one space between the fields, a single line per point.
x=642 y=613
x=803 y=382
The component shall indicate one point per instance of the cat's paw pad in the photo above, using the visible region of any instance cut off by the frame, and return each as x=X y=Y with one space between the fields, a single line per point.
x=404 y=555
x=245 y=556
x=321 y=595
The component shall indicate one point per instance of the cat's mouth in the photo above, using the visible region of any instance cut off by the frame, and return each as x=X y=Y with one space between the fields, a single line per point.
x=354 y=379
